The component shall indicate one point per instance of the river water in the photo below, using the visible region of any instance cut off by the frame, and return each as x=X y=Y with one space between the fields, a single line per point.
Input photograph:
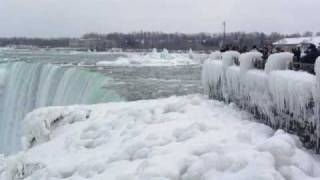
x=30 y=79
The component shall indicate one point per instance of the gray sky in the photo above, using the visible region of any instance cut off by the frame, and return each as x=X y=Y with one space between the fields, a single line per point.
x=54 y=18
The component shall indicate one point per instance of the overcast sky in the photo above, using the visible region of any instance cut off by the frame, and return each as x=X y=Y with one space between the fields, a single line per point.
x=54 y=18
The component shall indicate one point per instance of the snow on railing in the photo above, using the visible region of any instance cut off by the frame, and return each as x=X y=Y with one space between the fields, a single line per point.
x=278 y=97
x=278 y=61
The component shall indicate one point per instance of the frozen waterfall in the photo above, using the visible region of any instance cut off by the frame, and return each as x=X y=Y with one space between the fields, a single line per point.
x=26 y=86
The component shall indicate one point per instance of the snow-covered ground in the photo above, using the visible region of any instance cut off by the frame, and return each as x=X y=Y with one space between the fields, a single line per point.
x=154 y=58
x=177 y=138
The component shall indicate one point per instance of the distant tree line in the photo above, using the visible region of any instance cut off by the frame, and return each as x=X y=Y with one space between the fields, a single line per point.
x=200 y=41
x=160 y=40
x=179 y=41
x=39 y=42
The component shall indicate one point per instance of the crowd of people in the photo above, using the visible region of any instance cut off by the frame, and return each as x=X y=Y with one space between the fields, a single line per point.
x=303 y=60
x=308 y=56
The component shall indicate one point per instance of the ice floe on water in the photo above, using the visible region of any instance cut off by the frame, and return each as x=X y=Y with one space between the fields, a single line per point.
x=153 y=58
x=177 y=138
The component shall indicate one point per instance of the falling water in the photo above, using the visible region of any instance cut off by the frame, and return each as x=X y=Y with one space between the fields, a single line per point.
x=26 y=86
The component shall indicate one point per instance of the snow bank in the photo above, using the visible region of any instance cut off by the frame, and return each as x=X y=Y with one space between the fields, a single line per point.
x=282 y=99
x=278 y=61
x=154 y=58
x=184 y=138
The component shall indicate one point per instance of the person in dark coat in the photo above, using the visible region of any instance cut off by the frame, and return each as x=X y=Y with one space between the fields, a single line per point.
x=297 y=54
x=312 y=54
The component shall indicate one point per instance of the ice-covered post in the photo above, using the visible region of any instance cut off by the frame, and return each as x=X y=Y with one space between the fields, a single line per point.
x=248 y=61
x=316 y=96
x=214 y=73
x=229 y=58
x=211 y=75
x=279 y=61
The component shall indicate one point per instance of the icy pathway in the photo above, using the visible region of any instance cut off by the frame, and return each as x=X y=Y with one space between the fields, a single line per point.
x=178 y=138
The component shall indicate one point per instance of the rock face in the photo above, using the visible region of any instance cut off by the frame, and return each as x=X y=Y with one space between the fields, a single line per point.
x=278 y=97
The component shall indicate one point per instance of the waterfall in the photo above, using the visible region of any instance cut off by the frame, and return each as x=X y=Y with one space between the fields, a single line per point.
x=27 y=86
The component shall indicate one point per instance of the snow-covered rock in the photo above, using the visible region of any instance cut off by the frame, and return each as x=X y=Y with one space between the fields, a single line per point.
x=177 y=138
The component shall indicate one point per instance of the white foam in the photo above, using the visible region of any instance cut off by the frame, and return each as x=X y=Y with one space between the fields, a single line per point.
x=154 y=58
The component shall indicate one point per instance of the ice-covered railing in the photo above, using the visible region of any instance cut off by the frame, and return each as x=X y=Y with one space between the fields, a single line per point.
x=277 y=96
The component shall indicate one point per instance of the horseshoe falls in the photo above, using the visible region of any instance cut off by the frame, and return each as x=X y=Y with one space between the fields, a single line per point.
x=27 y=86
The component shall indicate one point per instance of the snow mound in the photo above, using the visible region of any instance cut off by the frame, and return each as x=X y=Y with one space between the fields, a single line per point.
x=278 y=61
x=154 y=58
x=177 y=138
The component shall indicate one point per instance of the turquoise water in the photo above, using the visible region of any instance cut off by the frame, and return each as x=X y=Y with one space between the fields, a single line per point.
x=27 y=86
x=30 y=79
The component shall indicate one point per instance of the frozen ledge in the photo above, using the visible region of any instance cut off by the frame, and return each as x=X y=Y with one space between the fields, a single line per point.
x=177 y=138
x=39 y=124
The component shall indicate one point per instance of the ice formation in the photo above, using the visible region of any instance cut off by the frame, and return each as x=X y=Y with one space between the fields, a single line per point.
x=177 y=138
x=317 y=71
x=248 y=60
x=212 y=76
x=154 y=58
x=279 y=61
x=216 y=55
x=282 y=99
x=229 y=58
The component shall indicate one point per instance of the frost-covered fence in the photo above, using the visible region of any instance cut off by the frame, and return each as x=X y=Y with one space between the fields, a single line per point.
x=276 y=96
